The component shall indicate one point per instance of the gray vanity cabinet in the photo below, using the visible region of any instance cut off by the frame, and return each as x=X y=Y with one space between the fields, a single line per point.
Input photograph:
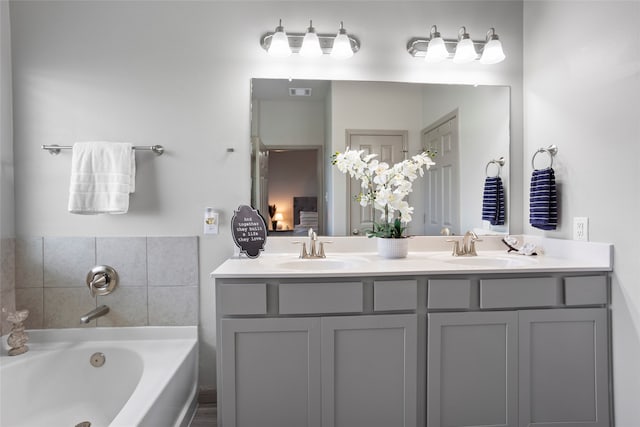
x=472 y=375
x=495 y=350
x=510 y=363
x=564 y=368
x=270 y=372
x=546 y=367
x=369 y=371
x=312 y=371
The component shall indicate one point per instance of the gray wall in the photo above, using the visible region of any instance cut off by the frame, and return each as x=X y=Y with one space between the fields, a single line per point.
x=7 y=221
x=584 y=96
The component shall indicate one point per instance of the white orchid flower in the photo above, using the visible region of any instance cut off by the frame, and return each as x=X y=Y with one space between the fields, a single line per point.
x=384 y=187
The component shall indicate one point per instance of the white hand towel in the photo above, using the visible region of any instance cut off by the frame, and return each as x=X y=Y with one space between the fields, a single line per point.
x=102 y=177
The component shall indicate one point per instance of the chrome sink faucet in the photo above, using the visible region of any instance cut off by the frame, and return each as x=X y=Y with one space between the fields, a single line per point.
x=313 y=238
x=468 y=245
x=316 y=248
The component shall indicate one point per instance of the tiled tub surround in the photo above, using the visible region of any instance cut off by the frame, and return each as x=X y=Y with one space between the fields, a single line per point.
x=158 y=283
x=7 y=284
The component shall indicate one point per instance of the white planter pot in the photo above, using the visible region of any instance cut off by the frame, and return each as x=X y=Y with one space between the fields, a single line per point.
x=393 y=248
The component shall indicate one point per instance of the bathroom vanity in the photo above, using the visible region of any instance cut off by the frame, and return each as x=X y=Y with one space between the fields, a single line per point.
x=430 y=340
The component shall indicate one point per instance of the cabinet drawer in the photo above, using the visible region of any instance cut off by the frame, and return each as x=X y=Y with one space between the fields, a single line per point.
x=395 y=295
x=585 y=290
x=330 y=297
x=243 y=298
x=449 y=293
x=525 y=292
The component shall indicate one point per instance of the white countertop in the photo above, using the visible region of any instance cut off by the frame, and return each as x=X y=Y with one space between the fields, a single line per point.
x=427 y=258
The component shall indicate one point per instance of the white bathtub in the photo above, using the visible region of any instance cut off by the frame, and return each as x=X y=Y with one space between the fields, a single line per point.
x=148 y=379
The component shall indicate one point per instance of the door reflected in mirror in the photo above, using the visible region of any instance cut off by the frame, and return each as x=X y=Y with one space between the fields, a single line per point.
x=293 y=138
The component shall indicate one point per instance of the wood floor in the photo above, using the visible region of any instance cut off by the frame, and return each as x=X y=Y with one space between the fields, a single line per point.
x=205 y=415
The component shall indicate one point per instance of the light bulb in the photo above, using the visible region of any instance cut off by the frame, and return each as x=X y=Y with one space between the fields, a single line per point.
x=436 y=51
x=492 y=53
x=279 y=43
x=311 y=44
x=341 y=45
x=465 y=51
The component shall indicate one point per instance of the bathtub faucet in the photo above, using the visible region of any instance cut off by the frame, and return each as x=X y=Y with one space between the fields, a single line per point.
x=94 y=314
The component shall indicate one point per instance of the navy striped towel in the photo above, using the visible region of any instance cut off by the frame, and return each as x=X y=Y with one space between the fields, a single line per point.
x=493 y=201
x=543 y=200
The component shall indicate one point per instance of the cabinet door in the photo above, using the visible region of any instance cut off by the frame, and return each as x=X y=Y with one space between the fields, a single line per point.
x=270 y=372
x=564 y=368
x=369 y=371
x=472 y=369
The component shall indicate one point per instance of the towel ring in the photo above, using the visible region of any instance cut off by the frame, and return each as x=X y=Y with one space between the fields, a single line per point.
x=499 y=162
x=550 y=150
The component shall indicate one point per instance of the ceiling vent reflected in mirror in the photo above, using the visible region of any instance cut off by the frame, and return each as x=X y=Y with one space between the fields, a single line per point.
x=299 y=91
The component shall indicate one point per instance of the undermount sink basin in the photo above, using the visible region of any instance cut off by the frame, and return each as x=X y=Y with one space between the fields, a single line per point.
x=316 y=264
x=490 y=261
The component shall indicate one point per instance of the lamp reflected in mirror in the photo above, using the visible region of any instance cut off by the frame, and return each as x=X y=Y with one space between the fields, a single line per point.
x=278 y=217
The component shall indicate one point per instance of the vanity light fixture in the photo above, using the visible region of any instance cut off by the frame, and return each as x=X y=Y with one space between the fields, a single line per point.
x=279 y=46
x=341 y=45
x=436 y=49
x=310 y=43
x=461 y=50
x=465 y=50
x=492 y=53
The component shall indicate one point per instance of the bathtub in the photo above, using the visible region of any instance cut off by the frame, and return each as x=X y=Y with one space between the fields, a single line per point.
x=148 y=378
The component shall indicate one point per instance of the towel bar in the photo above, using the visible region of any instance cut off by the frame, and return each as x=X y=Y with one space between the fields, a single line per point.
x=499 y=162
x=55 y=149
x=550 y=150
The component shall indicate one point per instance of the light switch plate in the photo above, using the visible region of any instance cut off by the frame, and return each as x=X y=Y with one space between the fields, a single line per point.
x=211 y=219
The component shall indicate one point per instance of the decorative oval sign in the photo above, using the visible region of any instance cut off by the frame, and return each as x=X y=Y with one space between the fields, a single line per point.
x=249 y=231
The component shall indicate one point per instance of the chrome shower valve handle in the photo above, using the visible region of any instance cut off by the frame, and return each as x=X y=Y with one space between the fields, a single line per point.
x=102 y=280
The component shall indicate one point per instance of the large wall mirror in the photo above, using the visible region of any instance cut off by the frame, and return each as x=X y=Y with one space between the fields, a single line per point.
x=296 y=125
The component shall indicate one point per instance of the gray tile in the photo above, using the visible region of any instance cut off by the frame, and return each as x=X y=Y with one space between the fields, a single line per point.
x=31 y=299
x=7 y=264
x=7 y=305
x=63 y=307
x=172 y=261
x=29 y=262
x=173 y=306
x=127 y=307
x=127 y=255
x=67 y=260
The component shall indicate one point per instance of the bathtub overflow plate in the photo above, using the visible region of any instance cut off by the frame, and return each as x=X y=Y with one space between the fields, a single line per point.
x=97 y=359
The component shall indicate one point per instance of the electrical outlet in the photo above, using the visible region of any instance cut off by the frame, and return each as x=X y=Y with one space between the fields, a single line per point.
x=581 y=228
